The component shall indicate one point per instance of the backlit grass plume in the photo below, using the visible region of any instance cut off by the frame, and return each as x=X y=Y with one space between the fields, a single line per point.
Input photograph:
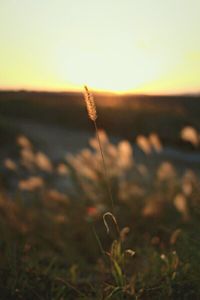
x=92 y=113
x=90 y=104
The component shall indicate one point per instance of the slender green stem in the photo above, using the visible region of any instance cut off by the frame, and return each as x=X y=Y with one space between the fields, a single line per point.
x=104 y=167
x=98 y=240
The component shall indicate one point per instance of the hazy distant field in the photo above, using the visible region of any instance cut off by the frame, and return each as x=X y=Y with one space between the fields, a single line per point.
x=124 y=116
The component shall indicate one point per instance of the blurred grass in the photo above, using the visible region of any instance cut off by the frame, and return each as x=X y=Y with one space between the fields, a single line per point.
x=48 y=249
x=42 y=258
x=49 y=239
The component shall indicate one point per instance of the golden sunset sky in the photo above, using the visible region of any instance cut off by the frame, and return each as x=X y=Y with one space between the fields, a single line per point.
x=147 y=46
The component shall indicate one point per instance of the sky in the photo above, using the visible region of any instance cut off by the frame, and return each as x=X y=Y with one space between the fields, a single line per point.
x=139 y=46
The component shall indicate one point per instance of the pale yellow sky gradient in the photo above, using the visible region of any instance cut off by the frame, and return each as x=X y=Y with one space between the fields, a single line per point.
x=147 y=46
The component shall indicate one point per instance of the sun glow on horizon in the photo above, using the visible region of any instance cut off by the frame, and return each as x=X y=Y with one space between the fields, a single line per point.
x=130 y=46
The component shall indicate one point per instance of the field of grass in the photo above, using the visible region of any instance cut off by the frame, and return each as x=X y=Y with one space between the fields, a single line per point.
x=124 y=116
x=61 y=239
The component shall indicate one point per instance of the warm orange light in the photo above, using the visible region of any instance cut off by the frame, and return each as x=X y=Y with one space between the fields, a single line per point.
x=135 y=46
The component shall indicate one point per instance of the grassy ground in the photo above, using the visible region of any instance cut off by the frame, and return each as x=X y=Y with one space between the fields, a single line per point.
x=56 y=245
x=58 y=237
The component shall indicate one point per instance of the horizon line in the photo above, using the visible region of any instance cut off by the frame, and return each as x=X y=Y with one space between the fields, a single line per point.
x=98 y=91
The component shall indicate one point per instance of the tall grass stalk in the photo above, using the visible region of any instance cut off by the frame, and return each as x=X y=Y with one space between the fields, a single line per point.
x=92 y=113
x=116 y=253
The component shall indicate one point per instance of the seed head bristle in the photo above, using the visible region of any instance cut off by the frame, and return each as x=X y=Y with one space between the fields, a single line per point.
x=90 y=104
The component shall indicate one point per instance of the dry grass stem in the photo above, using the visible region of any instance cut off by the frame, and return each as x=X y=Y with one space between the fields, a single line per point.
x=108 y=214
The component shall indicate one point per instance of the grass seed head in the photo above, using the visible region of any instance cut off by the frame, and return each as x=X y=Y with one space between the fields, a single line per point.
x=90 y=104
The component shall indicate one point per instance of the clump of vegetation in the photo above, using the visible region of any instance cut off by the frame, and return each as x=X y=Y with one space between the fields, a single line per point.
x=62 y=239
